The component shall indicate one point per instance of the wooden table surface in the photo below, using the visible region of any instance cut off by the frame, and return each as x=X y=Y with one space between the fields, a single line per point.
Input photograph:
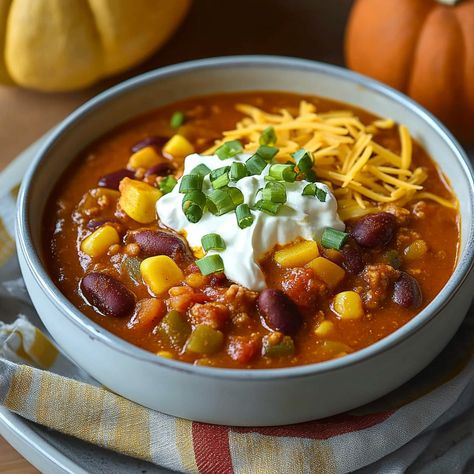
x=303 y=28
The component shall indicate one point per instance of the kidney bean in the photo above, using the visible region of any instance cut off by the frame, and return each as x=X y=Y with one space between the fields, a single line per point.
x=353 y=261
x=149 y=141
x=161 y=169
x=407 y=292
x=107 y=294
x=153 y=242
x=279 y=311
x=374 y=230
x=112 y=180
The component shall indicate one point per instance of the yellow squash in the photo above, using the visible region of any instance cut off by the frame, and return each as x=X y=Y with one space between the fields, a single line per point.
x=60 y=45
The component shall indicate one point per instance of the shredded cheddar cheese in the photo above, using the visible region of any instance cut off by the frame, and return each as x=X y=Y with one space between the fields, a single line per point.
x=361 y=173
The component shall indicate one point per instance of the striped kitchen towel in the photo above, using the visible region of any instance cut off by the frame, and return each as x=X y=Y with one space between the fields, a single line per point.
x=426 y=425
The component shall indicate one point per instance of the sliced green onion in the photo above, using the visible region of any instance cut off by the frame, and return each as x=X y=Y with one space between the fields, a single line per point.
x=310 y=176
x=221 y=181
x=236 y=195
x=303 y=159
x=269 y=178
x=268 y=137
x=190 y=182
x=313 y=190
x=244 y=216
x=210 y=264
x=201 y=170
x=333 y=239
x=219 y=202
x=167 y=184
x=177 y=119
x=267 y=152
x=321 y=194
x=282 y=172
x=212 y=242
x=274 y=192
x=218 y=172
x=268 y=207
x=238 y=171
x=193 y=205
x=229 y=149
x=255 y=164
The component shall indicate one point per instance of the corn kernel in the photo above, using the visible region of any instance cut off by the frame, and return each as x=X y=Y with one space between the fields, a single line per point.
x=196 y=280
x=329 y=272
x=348 y=305
x=297 y=254
x=324 y=329
x=144 y=158
x=160 y=273
x=100 y=240
x=138 y=200
x=165 y=354
x=179 y=146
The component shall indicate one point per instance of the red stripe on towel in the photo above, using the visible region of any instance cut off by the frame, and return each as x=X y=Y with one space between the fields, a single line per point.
x=211 y=448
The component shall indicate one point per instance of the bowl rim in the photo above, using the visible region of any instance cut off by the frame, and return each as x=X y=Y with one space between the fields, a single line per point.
x=92 y=329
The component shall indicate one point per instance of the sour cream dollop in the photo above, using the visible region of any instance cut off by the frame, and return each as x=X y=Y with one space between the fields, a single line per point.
x=302 y=216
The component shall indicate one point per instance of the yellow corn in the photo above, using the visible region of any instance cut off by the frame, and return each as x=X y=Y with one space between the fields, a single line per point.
x=297 y=254
x=348 y=305
x=327 y=271
x=324 y=329
x=144 y=158
x=138 y=199
x=416 y=250
x=100 y=240
x=165 y=354
x=160 y=273
x=196 y=280
x=179 y=146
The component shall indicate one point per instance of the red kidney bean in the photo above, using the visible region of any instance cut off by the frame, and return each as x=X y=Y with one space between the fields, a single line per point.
x=153 y=242
x=374 y=230
x=353 y=260
x=407 y=292
x=279 y=311
x=149 y=141
x=112 y=180
x=161 y=169
x=107 y=294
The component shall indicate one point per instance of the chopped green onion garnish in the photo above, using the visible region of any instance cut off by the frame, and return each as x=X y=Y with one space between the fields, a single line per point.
x=255 y=164
x=269 y=178
x=313 y=190
x=177 y=119
x=190 y=182
x=268 y=207
x=210 y=264
x=236 y=195
x=219 y=202
x=238 y=171
x=167 y=184
x=212 y=242
x=310 y=176
x=267 y=152
x=244 y=216
x=274 y=192
x=218 y=172
x=229 y=149
x=221 y=181
x=303 y=159
x=193 y=205
x=201 y=170
x=333 y=239
x=268 y=137
x=283 y=172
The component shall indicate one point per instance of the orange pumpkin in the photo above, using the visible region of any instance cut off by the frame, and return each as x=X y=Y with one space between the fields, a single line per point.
x=424 y=48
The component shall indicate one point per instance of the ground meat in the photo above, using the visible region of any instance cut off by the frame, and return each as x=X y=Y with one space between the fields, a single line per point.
x=401 y=214
x=419 y=210
x=302 y=287
x=239 y=299
x=211 y=314
x=379 y=278
x=406 y=236
x=243 y=349
x=183 y=297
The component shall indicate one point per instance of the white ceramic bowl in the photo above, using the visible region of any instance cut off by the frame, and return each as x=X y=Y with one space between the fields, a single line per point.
x=242 y=397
